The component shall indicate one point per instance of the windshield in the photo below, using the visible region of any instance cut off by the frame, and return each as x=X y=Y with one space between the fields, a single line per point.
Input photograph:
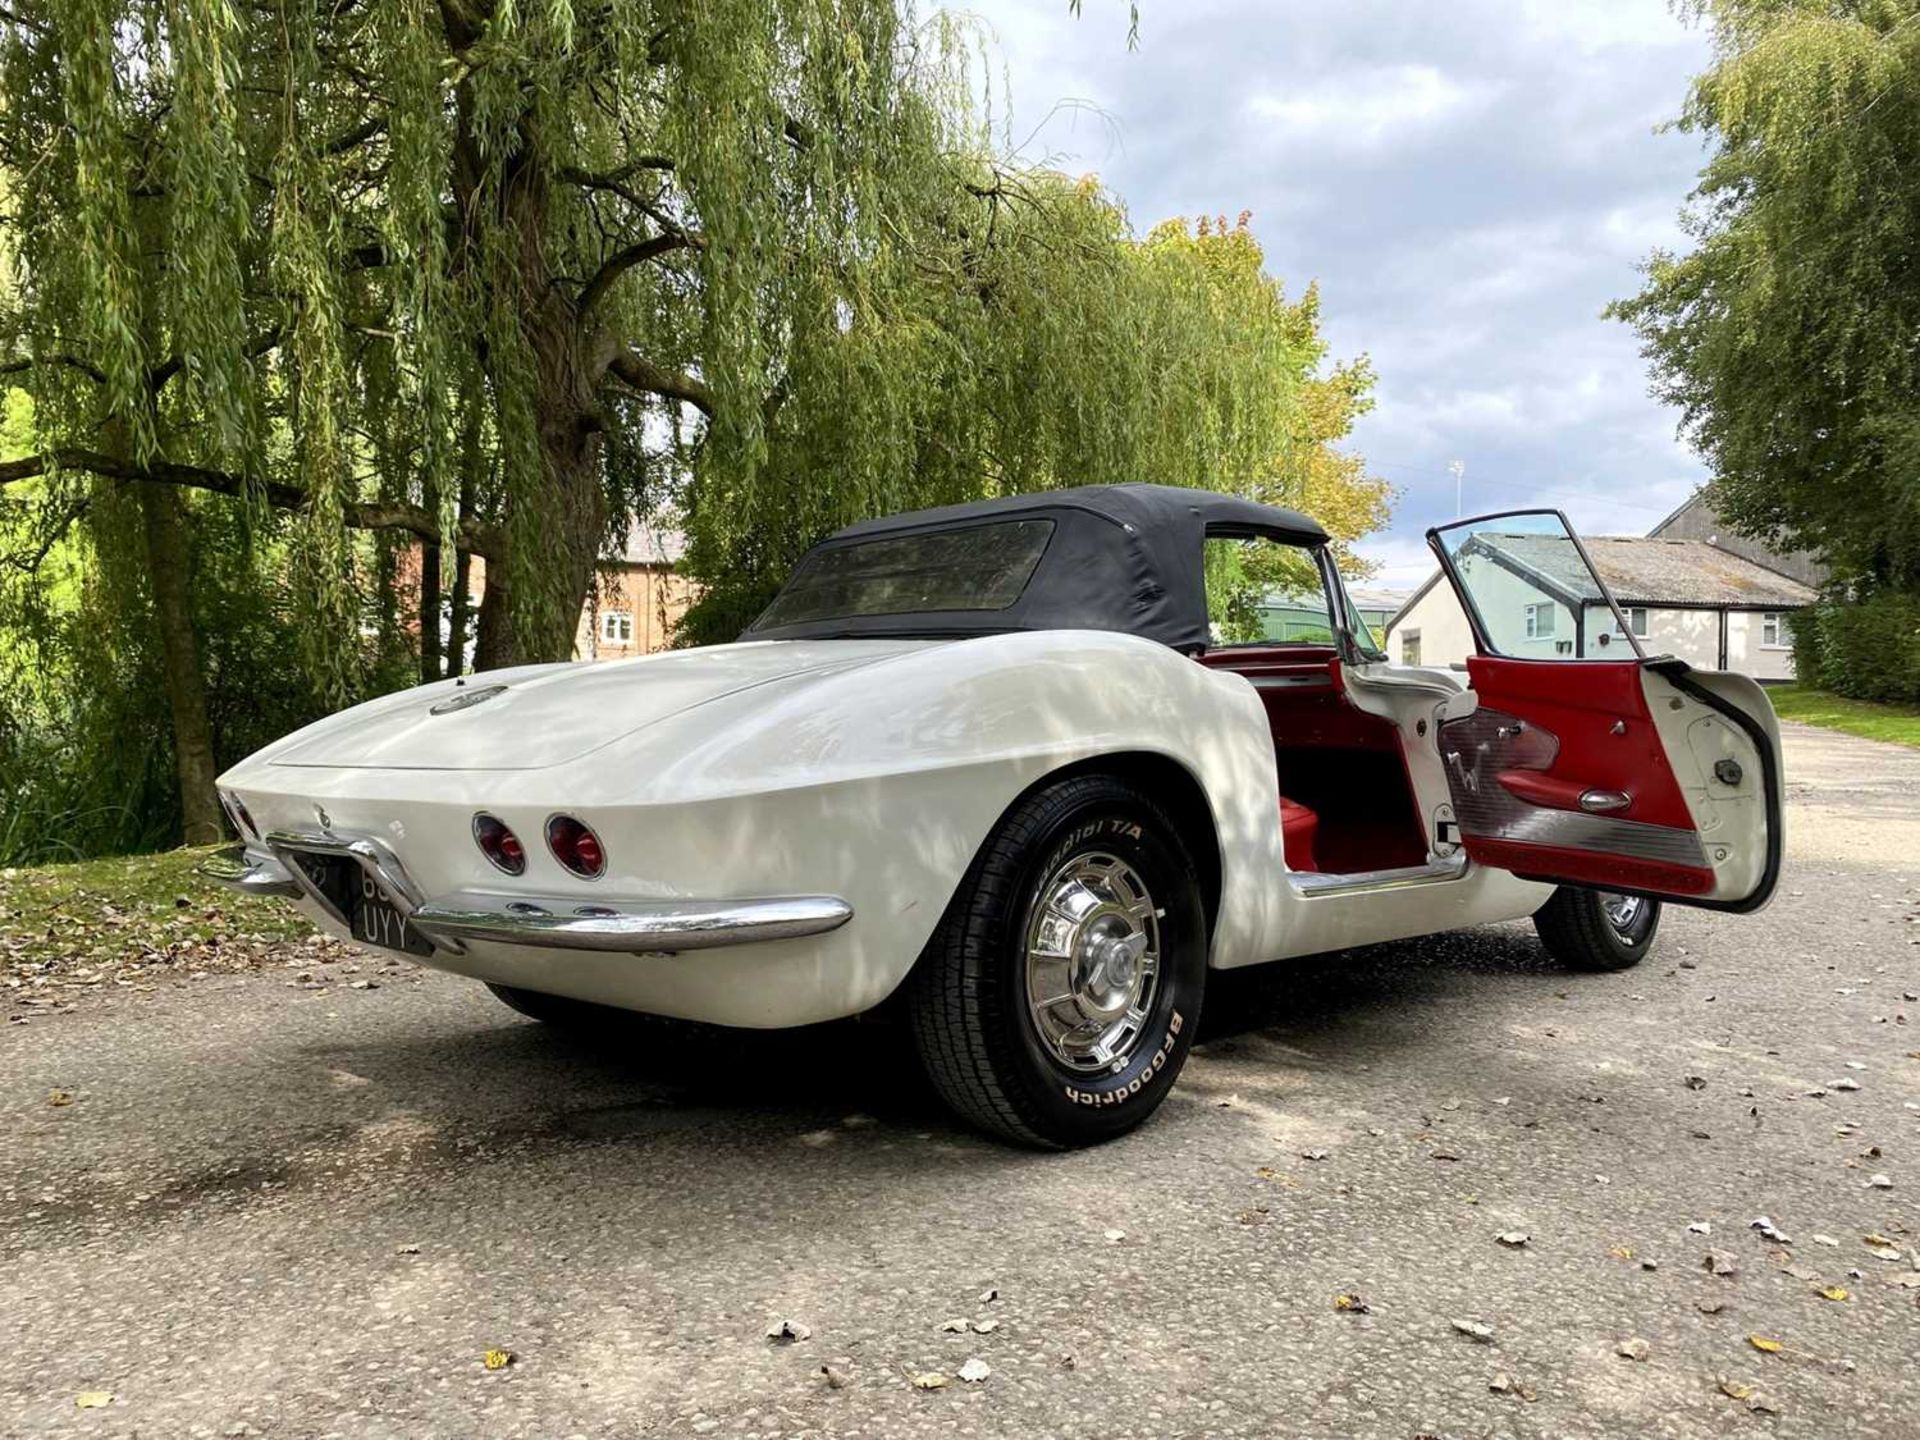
x=981 y=567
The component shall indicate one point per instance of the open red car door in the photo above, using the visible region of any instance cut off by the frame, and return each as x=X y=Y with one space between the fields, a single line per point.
x=1575 y=758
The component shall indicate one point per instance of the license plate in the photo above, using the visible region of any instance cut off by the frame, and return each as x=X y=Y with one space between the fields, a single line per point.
x=376 y=920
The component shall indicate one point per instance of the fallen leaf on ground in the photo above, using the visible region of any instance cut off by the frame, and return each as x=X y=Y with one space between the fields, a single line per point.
x=1722 y=1262
x=834 y=1377
x=1475 y=1330
x=1906 y=1280
x=988 y=1296
x=1696 y=1082
x=1710 y=1307
x=61 y=1097
x=1352 y=1304
x=1880 y=1182
x=928 y=1380
x=1763 y=1344
x=1513 y=1239
x=1313 y=1154
x=1507 y=1385
x=1834 y=1292
x=975 y=1370
x=1769 y=1231
x=1700 y=1227
x=407 y=1249
x=497 y=1359
x=93 y=1399
x=1733 y=1389
x=1621 y=1252
x=1114 y=1237
x=1825 y=1240
x=1843 y=1083
x=787 y=1331
x=1633 y=1349
x=985 y=1327
x=954 y=1327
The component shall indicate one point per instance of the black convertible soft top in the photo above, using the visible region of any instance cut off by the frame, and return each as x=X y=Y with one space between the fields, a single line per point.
x=1109 y=557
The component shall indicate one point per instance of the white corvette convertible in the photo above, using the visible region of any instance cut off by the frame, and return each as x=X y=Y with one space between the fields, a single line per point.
x=989 y=762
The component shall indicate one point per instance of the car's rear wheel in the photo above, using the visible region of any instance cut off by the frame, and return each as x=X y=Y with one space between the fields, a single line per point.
x=1598 y=929
x=1058 y=999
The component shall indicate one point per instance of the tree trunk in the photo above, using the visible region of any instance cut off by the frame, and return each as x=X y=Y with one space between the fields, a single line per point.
x=429 y=612
x=166 y=535
x=462 y=612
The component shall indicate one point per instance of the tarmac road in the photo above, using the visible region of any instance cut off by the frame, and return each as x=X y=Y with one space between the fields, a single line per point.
x=297 y=1212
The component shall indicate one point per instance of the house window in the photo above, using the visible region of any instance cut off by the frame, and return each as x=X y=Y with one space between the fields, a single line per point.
x=1409 y=647
x=1636 y=619
x=616 y=627
x=1774 y=634
x=1540 y=621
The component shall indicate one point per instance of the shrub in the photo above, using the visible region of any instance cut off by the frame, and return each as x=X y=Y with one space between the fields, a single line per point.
x=1868 y=649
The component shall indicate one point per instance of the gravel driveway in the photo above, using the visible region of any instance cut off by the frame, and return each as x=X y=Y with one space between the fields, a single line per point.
x=298 y=1208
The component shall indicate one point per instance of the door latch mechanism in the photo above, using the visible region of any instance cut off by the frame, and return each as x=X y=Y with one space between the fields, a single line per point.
x=1728 y=771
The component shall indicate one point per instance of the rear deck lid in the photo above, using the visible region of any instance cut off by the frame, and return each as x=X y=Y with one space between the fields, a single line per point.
x=535 y=717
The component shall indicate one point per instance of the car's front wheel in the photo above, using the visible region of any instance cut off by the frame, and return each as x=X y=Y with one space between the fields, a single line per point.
x=1058 y=999
x=1598 y=929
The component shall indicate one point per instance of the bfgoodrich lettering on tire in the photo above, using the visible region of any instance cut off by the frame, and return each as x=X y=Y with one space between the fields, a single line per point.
x=1058 y=999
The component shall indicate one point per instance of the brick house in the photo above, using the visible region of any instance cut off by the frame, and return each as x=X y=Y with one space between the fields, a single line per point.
x=638 y=598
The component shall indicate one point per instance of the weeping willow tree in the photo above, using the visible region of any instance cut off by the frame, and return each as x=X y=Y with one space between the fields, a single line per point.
x=404 y=266
x=1029 y=341
x=487 y=280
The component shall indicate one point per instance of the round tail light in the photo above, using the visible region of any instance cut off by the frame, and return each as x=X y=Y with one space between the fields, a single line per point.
x=499 y=844
x=576 y=847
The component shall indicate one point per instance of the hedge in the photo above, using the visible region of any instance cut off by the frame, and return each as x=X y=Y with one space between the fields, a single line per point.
x=1868 y=649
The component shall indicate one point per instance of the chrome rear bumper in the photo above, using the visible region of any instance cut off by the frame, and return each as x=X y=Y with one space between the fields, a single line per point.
x=635 y=926
x=249 y=872
x=544 y=922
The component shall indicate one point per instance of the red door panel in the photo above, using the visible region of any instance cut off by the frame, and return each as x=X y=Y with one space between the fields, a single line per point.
x=1625 y=773
x=1560 y=774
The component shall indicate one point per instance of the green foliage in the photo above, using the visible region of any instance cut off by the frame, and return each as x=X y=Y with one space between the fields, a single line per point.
x=1867 y=649
x=503 y=276
x=1786 y=335
x=1028 y=343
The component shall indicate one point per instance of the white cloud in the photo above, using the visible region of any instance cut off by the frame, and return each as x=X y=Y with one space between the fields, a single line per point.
x=1365 y=108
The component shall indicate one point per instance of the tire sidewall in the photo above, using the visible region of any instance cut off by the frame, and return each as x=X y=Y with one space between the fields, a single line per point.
x=1109 y=819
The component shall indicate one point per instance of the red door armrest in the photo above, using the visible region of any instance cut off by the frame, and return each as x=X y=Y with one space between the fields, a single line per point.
x=1554 y=793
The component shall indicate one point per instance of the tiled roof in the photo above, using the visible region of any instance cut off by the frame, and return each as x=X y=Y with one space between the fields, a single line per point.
x=652 y=544
x=1646 y=570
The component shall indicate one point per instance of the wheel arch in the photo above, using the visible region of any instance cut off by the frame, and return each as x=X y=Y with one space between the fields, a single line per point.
x=1168 y=782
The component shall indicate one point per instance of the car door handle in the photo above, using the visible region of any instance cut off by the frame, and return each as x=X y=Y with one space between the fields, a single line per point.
x=1553 y=793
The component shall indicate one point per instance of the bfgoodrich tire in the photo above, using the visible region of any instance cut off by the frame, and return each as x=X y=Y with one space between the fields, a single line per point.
x=1058 y=999
x=1598 y=930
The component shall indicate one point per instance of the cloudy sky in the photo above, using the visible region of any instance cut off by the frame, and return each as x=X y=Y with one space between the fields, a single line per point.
x=1470 y=183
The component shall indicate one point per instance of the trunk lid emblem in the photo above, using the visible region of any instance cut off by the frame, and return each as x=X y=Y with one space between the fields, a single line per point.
x=466 y=699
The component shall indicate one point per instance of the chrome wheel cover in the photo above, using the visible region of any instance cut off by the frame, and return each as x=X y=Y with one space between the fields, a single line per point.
x=1093 y=962
x=1623 y=914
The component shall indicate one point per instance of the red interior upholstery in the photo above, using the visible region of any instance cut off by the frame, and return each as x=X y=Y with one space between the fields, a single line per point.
x=1346 y=804
x=1298 y=826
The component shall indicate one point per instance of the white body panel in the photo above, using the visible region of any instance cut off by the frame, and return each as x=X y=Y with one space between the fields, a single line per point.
x=869 y=770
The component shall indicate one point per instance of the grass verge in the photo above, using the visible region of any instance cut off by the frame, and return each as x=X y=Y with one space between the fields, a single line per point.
x=1897 y=723
x=131 y=920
